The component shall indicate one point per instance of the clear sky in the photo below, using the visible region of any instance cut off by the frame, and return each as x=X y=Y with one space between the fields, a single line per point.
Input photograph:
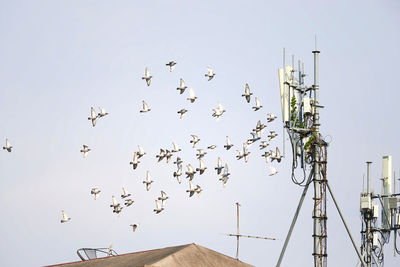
x=59 y=58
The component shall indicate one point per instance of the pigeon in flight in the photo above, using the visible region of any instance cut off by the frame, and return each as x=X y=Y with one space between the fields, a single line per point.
x=85 y=150
x=141 y=152
x=95 y=192
x=134 y=226
x=277 y=155
x=258 y=105
x=145 y=107
x=161 y=156
x=218 y=111
x=256 y=137
x=272 y=135
x=158 y=208
x=267 y=156
x=171 y=65
x=176 y=148
x=198 y=190
x=247 y=93
x=8 y=146
x=128 y=202
x=147 y=181
x=190 y=172
x=114 y=202
x=191 y=189
x=168 y=155
x=65 y=217
x=135 y=160
x=273 y=171
x=240 y=154
x=102 y=112
x=225 y=176
x=124 y=193
x=163 y=198
x=211 y=147
x=263 y=144
x=200 y=153
x=228 y=143
x=271 y=117
x=178 y=162
x=202 y=168
x=147 y=76
x=259 y=127
x=219 y=166
x=117 y=209
x=182 y=87
x=210 y=73
x=182 y=112
x=192 y=96
x=178 y=174
x=93 y=116
x=246 y=153
x=195 y=140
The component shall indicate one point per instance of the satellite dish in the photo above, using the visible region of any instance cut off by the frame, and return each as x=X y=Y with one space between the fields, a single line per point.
x=94 y=253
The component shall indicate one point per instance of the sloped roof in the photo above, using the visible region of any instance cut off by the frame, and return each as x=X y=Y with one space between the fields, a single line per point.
x=179 y=256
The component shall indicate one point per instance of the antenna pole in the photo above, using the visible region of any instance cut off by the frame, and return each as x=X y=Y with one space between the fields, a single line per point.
x=237 y=236
x=284 y=98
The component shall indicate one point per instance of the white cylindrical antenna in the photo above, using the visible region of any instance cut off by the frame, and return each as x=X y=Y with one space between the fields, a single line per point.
x=369 y=176
x=284 y=95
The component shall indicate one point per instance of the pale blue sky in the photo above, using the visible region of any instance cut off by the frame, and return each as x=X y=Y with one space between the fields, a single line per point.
x=59 y=58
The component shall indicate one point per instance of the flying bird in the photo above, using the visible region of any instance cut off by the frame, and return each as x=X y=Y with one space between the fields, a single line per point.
x=192 y=96
x=95 y=192
x=247 y=93
x=256 y=137
x=93 y=116
x=258 y=105
x=225 y=176
x=135 y=160
x=158 y=208
x=200 y=153
x=148 y=181
x=228 y=143
x=171 y=65
x=65 y=217
x=198 y=190
x=219 y=166
x=191 y=189
x=263 y=144
x=271 y=117
x=176 y=148
x=163 y=198
x=141 y=152
x=182 y=87
x=114 y=202
x=128 y=202
x=272 y=135
x=8 y=146
x=117 y=209
x=178 y=174
x=145 y=107
x=202 y=168
x=85 y=150
x=211 y=147
x=218 y=111
x=147 y=76
x=134 y=226
x=259 y=127
x=178 y=161
x=277 y=155
x=273 y=171
x=267 y=156
x=125 y=193
x=182 y=112
x=246 y=153
x=190 y=172
x=195 y=140
x=168 y=155
x=102 y=112
x=210 y=73
x=161 y=156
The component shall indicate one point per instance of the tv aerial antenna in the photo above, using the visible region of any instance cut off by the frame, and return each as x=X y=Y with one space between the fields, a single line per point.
x=238 y=235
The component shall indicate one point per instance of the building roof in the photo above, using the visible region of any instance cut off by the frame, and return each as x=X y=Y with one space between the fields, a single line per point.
x=179 y=256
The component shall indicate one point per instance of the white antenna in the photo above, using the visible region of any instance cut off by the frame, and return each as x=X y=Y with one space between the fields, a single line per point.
x=238 y=235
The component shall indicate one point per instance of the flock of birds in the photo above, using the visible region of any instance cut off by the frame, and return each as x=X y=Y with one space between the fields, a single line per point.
x=222 y=170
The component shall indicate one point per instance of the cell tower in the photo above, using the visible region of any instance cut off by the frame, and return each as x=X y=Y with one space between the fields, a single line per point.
x=373 y=236
x=300 y=116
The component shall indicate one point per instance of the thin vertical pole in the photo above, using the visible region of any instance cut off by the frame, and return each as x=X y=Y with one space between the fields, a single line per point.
x=368 y=230
x=284 y=99
x=237 y=232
